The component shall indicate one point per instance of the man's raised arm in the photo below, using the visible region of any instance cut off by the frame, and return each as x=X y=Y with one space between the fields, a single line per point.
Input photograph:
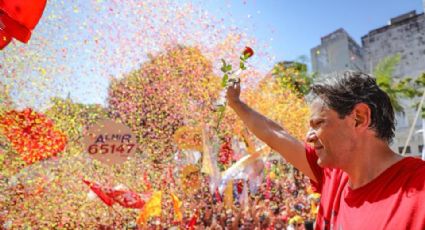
x=270 y=132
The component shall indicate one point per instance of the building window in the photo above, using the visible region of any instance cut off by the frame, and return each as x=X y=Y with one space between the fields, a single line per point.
x=420 y=147
x=400 y=149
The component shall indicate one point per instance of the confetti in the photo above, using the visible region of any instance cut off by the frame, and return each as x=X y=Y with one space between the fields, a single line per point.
x=155 y=67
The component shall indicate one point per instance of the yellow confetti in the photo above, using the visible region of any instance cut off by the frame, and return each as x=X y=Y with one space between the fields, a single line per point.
x=42 y=71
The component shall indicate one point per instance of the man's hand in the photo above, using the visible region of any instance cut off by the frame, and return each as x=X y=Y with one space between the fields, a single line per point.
x=233 y=92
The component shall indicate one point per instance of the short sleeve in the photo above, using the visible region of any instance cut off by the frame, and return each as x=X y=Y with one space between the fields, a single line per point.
x=317 y=170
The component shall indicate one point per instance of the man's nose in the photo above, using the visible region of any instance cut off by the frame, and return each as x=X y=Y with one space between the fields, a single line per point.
x=311 y=136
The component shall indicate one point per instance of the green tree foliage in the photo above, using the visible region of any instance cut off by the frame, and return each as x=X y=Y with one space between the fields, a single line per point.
x=293 y=76
x=404 y=88
x=419 y=86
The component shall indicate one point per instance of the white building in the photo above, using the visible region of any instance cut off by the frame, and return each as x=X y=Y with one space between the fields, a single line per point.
x=404 y=35
x=337 y=52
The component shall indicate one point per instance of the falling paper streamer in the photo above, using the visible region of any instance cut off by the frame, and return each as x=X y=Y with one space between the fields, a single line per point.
x=209 y=160
x=236 y=171
x=255 y=175
x=238 y=149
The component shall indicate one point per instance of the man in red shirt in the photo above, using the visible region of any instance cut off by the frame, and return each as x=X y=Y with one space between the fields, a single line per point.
x=364 y=184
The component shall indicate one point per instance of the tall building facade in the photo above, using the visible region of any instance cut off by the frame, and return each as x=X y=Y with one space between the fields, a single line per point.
x=404 y=35
x=337 y=52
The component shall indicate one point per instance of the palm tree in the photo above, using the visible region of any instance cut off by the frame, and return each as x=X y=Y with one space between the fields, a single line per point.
x=405 y=88
x=383 y=73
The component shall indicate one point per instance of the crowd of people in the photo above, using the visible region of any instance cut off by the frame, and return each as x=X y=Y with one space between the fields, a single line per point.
x=287 y=203
x=282 y=201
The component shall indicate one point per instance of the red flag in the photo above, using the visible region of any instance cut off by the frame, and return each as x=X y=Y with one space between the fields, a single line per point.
x=4 y=39
x=18 y=18
x=191 y=224
x=101 y=192
x=239 y=186
x=126 y=198
x=217 y=195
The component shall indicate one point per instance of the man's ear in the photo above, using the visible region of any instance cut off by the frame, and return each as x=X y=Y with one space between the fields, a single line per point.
x=362 y=115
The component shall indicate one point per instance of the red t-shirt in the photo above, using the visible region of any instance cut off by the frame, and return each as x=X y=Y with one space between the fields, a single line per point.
x=393 y=200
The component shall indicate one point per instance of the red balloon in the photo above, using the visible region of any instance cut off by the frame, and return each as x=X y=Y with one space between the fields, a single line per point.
x=18 y=18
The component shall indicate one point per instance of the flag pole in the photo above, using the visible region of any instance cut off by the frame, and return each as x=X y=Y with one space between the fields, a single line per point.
x=418 y=112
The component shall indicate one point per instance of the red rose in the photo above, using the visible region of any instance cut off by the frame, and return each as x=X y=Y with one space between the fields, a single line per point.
x=248 y=52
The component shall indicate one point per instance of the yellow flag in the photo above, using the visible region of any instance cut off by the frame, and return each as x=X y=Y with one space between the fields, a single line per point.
x=177 y=204
x=152 y=208
x=228 y=195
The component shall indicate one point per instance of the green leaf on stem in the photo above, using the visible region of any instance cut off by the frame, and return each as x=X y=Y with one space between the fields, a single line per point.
x=224 y=80
x=224 y=67
x=229 y=68
x=242 y=66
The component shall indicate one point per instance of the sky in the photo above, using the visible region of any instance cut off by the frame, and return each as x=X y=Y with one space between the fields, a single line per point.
x=80 y=45
x=294 y=27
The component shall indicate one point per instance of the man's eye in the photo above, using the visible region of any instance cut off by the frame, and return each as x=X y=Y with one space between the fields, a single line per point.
x=316 y=124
